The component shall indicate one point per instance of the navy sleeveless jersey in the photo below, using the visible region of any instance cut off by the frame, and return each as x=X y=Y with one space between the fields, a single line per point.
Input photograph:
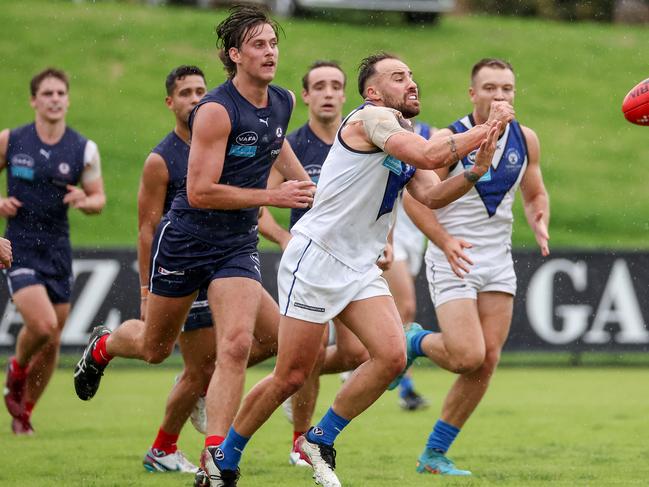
x=312 y=152
x=497 y=182
x=255 y=140
x=175 y=152
x=37 y=175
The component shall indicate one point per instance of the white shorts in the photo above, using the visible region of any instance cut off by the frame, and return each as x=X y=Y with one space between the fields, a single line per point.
x=315 y=286
x=410 y=250
x=492 y=270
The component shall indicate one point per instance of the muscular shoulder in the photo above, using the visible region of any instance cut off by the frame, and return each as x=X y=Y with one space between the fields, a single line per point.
x=155 y=170
x=532 y=142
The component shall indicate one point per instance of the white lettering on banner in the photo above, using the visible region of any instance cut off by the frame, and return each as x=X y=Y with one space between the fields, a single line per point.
x=618 y=304
x=540 y=302
x=102 y=275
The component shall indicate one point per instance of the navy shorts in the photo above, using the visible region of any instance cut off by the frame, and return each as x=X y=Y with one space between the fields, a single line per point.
x=59 y=288
x=200 y=315
x=181 y=263
x=36 y=262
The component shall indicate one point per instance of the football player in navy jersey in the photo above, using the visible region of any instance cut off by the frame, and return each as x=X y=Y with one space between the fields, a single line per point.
x=209 y=237
x=50 y=167
x=469 y=263
x=163 y=175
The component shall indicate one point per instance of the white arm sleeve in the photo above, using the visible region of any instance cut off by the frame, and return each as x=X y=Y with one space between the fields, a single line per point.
x=91 y=163
x=380 y=123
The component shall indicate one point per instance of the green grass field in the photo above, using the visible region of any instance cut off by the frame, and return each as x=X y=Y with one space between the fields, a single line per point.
x=580 y=427
x=571 y=80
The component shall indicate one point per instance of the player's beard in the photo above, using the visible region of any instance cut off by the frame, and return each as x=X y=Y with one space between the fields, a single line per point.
x=402 y=106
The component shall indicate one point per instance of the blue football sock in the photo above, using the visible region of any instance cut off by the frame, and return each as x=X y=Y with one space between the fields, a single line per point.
x=327 y=429
x=415 y=342
x=232 y=448
x=442 y=436
x=405 y=386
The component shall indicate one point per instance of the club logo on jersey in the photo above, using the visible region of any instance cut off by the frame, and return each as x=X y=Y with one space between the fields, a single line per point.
x=313 y=170
x=247 y=138
x=279 y=132
x=512 y=157
x=64 y=168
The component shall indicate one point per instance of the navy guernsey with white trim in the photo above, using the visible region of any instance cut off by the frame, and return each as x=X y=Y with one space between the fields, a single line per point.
x=37 y=175
x=255 y=140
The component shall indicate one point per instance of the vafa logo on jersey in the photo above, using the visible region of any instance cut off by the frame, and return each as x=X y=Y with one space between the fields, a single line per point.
x=247 y=138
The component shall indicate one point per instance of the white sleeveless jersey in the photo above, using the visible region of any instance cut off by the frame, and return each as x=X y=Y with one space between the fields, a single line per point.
x=483 y=216
x=352 y=211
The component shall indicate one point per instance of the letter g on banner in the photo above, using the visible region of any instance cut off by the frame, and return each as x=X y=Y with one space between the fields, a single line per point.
x=540 y=302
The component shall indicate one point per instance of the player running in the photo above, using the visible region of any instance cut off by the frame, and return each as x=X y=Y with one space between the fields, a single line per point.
x=209 y=237
x=329 y=267
x=469 y=263
x=50 y=168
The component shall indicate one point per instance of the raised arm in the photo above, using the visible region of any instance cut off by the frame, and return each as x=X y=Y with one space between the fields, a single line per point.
x=444 y=150
x=206 y=158
x=536 y=202
x=425 y=186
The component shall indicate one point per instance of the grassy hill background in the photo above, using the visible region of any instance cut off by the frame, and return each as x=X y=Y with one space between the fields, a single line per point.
x=571 y=81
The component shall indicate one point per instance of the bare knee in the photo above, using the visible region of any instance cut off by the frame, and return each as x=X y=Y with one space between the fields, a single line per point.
x=492 y=358
x=44 y=330
x=393 y=362
x=467 y=361
x=235 y=349
x=156 y=355
x=291 y=382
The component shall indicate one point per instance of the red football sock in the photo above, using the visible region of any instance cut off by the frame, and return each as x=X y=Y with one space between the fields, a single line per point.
x=213 y=440
x=297 y=434
x=29 y=407
x=17 y=371
x=165 y=442
x=99 y=353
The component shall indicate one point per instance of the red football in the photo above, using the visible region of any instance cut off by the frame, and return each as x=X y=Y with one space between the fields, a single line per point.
x=636 y=104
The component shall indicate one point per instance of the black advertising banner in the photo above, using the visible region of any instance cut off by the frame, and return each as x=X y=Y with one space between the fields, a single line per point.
x=570 y=301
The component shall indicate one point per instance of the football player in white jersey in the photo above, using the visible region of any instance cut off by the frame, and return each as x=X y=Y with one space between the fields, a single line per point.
x=329 y=267
x=469 y=264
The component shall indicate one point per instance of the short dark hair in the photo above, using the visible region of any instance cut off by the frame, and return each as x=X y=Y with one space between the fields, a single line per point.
x=367 y=68
x=237 y=28
x=36 y=81
x=490 y=62
x=322 y=64
x=179 y=73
